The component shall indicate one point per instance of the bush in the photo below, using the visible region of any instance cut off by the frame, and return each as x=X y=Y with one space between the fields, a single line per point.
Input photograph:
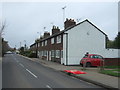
x=32 y=55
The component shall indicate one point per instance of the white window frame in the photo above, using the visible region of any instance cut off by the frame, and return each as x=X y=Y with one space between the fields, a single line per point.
x=45 y=42
x=57 y=53
x=52 y=40
x=61 y=53
x=44 y=53
x=42 y=43
x=59 y=39
x=41 y=53
x=52 y=53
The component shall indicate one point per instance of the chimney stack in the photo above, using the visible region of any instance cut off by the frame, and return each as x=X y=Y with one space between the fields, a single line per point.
x=69 y=23
x=55 y=30
x=46 y=34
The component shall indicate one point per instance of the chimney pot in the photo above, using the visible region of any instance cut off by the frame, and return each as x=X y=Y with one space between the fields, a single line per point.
x=55 y=30
x=46 y=34
x=69 y=23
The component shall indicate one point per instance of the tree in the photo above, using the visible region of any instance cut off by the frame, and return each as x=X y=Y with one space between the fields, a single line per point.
x=109 y=43
x=2 y=28
x=116 y=42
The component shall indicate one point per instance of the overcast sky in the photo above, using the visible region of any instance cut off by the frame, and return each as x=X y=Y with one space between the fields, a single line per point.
x=25 y=19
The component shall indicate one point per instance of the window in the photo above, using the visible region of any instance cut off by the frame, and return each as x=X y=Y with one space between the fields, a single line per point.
x=52 y=41
x=57 y=53
x=42 y=53
x=52 y=53
x=61 y=53
x=59 y=39
x=43 y=43
x=46 y=43
x=96 y=56
x=86 y=56
x=38 y=44
x=45 y=53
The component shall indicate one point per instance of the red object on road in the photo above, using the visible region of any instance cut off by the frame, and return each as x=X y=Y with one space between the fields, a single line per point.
x=73 y=71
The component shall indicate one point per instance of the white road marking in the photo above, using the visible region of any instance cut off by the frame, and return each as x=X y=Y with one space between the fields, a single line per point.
x=31 y=73
x=49 y=87
x=21 y=65
x=16 y=60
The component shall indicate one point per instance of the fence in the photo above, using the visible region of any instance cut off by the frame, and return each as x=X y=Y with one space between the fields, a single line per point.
x=112 y=61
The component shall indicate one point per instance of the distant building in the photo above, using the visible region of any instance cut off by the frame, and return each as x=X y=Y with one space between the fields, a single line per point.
x=69 y=45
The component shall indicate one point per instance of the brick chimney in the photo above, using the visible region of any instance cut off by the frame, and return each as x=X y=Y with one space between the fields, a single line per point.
x=69 y=23
x=55 y=30
x=46 y=34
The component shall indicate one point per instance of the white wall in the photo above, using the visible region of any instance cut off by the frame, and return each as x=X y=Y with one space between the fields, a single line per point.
x=79 y=42
x=63 y=60
x=112 y=53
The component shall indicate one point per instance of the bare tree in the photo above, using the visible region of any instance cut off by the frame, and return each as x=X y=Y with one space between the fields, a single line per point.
x=2 y=27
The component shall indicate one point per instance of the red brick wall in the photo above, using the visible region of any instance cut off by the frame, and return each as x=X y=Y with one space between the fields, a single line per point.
x=112 y=61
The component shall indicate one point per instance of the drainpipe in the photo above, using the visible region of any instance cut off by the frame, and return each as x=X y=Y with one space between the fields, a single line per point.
x=66 y=48
x=36 y=49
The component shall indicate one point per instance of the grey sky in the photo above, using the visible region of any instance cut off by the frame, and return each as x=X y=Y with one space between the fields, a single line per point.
x=26 y=19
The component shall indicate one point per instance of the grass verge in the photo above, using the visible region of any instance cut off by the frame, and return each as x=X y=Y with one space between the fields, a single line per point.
x=114 y=72
x=112 y=67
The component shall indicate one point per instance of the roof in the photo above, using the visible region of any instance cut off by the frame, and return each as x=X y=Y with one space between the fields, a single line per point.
x=83 y=22
x=61 y=32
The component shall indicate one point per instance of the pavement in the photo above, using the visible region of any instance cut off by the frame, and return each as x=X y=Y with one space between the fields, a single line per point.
x=92 y=74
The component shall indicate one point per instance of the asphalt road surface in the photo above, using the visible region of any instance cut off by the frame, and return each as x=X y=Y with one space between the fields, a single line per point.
x=19 y=72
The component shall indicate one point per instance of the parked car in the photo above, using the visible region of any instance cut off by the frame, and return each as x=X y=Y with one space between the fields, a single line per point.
x=91 y=60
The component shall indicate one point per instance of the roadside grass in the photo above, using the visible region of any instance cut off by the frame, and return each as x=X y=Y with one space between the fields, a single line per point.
x=112 y=67
x=111 y=70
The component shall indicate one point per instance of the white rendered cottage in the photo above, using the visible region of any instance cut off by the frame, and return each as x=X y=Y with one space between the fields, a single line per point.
x=81 y=38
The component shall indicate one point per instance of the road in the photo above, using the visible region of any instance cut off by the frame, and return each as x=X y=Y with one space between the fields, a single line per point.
x=19 y=72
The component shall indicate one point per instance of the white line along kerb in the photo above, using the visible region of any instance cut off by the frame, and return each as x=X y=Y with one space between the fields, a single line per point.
x=49 y=87
x=31 y=73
